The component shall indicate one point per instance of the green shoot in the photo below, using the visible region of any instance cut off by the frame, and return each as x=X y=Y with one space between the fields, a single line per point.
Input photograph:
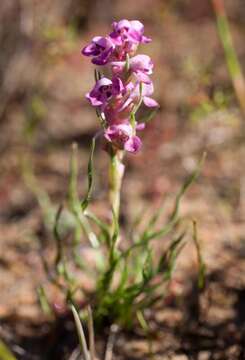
x=232 y=60
x=80 y=332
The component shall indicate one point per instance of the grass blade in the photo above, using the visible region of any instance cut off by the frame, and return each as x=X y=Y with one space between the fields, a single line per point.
x=202 y=266
x=74 y=203
x=80 y=332
x=105 y=230
x=86 y=200
x=59 y=248
x=5 y=353
x=91 y=334
x=174 y=216
x=232 y=60
x=43 y=299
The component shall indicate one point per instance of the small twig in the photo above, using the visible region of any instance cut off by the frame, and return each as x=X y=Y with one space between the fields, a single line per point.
x=75 y=354
x=111 y=341
x=91 y=334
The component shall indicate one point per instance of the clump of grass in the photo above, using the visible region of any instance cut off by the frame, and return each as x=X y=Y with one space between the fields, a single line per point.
x=129 y=279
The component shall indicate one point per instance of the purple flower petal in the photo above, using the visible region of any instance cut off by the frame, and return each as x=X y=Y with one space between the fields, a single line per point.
x=142 y=77
x=149 y=102
x=103 y=58
x=138 y=26
x=140 y=126
x=141 y=63
x=118 y=66
x=118 y=86
x=93 y=101
x=125 y=31
x=133 y=144
x=100 y=49
x=118 y=134
x=146 y=40
x=104 y=90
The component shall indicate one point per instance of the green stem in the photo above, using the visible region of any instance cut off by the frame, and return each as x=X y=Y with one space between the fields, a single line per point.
x=116 y=172
x=232 y=60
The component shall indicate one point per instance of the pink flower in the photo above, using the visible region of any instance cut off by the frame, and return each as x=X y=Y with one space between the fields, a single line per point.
x=122 y=136
x=104 y=90
x=137 y=90
x=128 y=31
x=100 y=49
x=140 y=65
x=147 y=91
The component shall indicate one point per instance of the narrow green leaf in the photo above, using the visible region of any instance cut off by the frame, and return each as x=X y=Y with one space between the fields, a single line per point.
x=147 y=271
x=136 y=222
x=132 y=120
x=123 y=280
x=174 y=216
x=152 y=221
x=156 y=216
x=101 y=225
x=5 y=353
x=81 y=223
x=201 y=264
x=136 y=108
x=59 y=248
x=172 y=261
x=72 y=190
x=44 y=302
x=86 y=200
x=142 y=321
x=101 y=117
x=41 y=195
x=80 y=332
x=230 y=53
x=148 y=117
x=164 y=261
x=189 y=181
x=105 y=280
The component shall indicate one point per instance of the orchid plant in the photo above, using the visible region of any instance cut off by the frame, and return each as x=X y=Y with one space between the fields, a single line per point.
x=129 y=278
x=118 y=96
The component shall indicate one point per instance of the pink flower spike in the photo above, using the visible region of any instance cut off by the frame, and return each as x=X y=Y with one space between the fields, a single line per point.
x=125 y=85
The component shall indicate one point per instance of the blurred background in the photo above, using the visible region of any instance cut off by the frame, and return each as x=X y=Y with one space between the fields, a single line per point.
x=43 y=80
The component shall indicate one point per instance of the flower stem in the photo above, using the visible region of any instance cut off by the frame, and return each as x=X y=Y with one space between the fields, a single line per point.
x=116 y=173
x=232 y=60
